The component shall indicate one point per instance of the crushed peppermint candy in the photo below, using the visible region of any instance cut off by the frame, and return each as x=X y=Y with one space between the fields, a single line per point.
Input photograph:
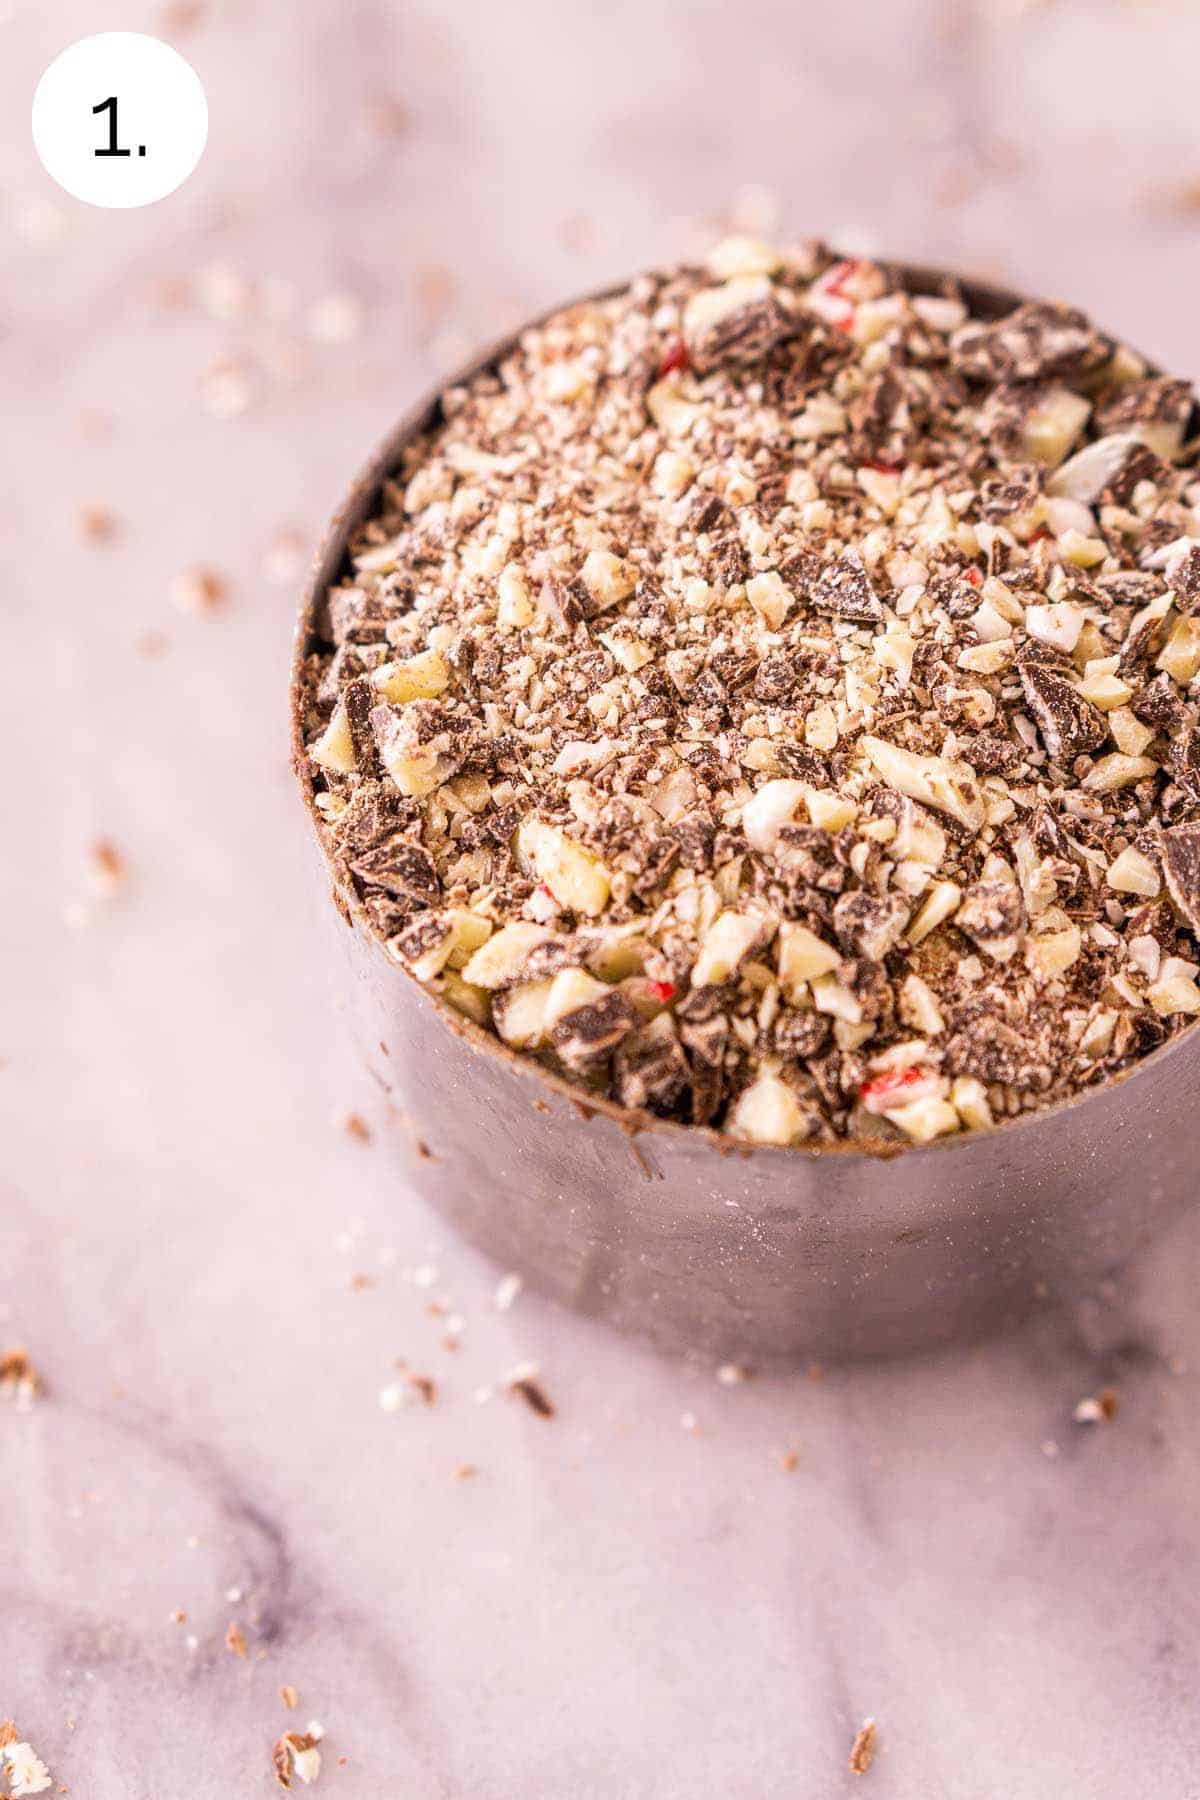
x=862 y=1751
x=770 y=698
x=20 y=1764
x=1097 y=1409
x=20 y=1381
x=295 y=1755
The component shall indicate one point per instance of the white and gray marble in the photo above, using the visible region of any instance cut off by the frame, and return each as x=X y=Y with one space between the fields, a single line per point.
x=615 y=1605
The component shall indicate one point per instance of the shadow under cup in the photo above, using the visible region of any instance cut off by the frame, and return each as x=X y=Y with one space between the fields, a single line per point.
x=696 y=1242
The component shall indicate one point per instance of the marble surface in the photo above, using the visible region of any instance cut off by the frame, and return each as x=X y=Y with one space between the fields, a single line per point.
x=673 y=1588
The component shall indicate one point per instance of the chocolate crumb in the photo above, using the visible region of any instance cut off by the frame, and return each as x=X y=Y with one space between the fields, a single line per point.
x=1098 y=1408
x=296 y=1754
x=109 y=870
x=862 y=1751
x=199 y=590
x=526 y=1386
x=19 y=1379
x=97 y=524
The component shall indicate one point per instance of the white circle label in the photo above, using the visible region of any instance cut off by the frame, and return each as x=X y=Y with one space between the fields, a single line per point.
x=120 y=119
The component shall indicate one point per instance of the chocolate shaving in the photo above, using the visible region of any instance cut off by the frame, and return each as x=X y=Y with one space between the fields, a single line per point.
x=526 y=1388
x=1181 y=870
x=1070 y=725
x=845 y=588
x=743 y=336
x=1032 y=343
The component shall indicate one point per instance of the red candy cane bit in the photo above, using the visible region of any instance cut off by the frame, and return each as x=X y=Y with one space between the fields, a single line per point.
x=897 y=1088
x=827 y=299
x=662 y=990
x=1042 y=532
x=675 y=357
x=834 y=280
x=974 y=576
x=882 y=468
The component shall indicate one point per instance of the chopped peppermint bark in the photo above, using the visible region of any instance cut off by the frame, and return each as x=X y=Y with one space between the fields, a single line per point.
x=770 y=699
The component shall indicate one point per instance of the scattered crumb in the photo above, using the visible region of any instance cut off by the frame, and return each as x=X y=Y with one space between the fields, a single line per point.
x=1049 y=1448
x=507 y=1289
x=862 y=1751
x=733 y=1374
x=789 y=1460
x=178 y=1617
x=224 y=293
x=434 y=289
x=27 y=1773
x=689 y=1422
x=815 y=1372
x=199 y=590
x=335 y=319
x=1185 y=198
x=289 y=1696
x=19 y=1379
x=355 y=1126
x=1097 y=1409
x=228 y=387
x=466 y=1471
x=386 y=116
x=409 y=1388
x=107 y=867
x=235 y=1639
x=296 y=1754
x=285 y=557
x=425 y=1276
x=97 y=524
x=181 y=16
x=525 y=1385
x=360 y=1282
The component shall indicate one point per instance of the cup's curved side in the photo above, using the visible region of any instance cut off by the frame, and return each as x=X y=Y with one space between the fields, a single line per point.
x=786 y=1255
